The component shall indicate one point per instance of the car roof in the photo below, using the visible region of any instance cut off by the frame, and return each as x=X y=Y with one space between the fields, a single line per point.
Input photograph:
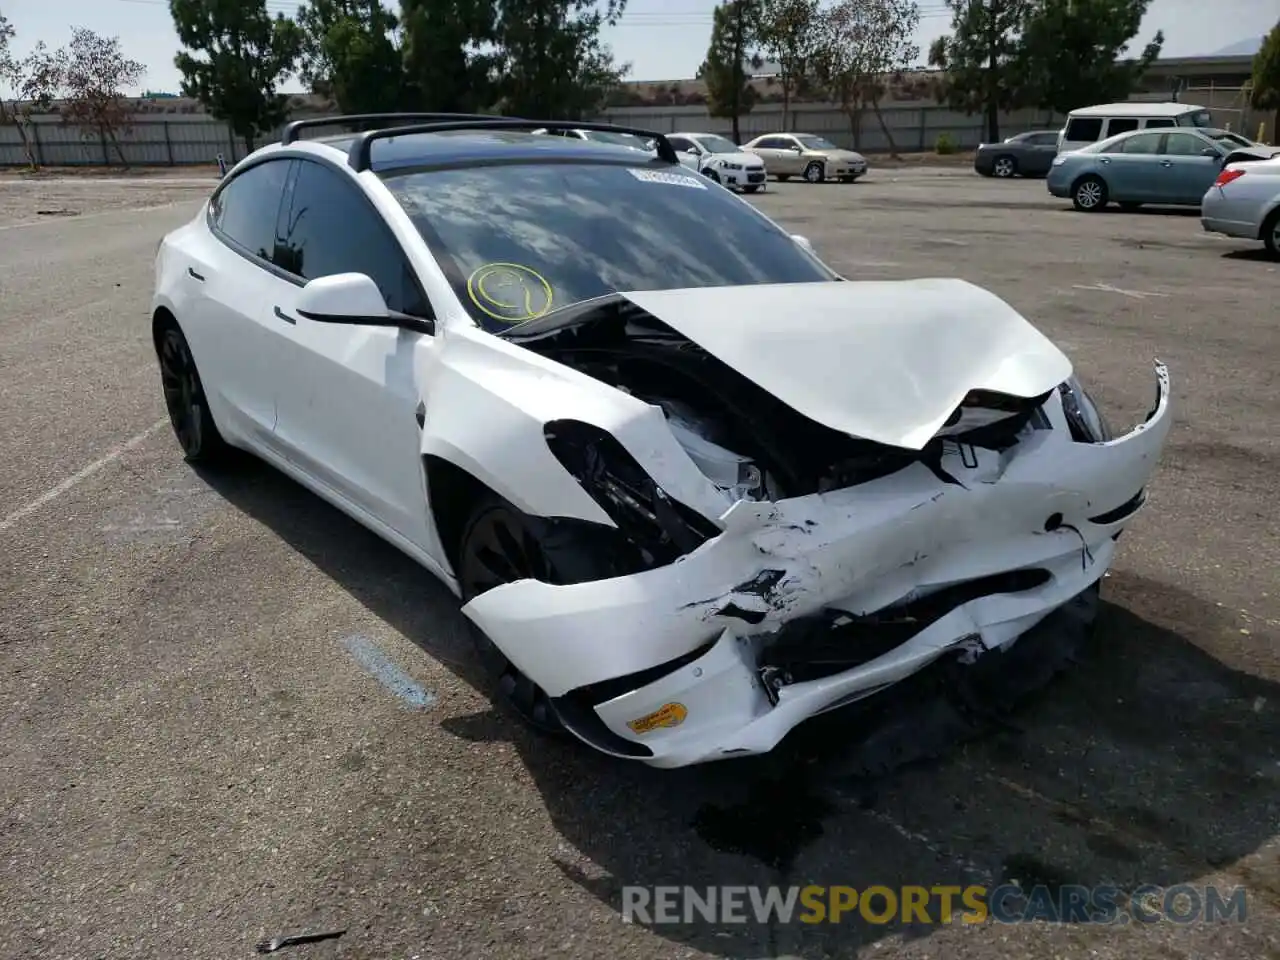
x=1136 y=110
x=478 y=146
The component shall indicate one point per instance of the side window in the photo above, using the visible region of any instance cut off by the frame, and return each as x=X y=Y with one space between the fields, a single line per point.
x=1183 y=145
x=1160 y=122
x=1045 y=139
x=331 y=228
x=245 y=210
x=1145 y=143
x=1084 y=129
x=777 y=143
x=1121 y=125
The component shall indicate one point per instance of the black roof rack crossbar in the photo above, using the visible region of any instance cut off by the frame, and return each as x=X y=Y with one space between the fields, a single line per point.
x=292 y=131
x=359 y=154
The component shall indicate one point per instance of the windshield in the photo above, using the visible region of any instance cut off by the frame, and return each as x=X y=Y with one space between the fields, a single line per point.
x=625 y=139
x=717 y=144
x=1231 y=139
x=518 y=241
x=817 y=143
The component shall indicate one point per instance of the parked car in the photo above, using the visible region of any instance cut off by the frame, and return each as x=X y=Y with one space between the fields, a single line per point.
x=1145 y=166
x=601 y=136
x=1089 y=125
x=720 y=159
x=1027 y=154
x=815 y=158
x=691 y=486
x=1244 y=202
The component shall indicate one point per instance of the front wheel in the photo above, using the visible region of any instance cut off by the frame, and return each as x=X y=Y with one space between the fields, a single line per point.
x=711 y=175
x=1271 y=234
x=1005 y=167
x=1089 y=194
x=813 y=172
x=185 y=401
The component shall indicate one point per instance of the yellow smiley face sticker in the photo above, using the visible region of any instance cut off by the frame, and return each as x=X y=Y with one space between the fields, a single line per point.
x=510 y=292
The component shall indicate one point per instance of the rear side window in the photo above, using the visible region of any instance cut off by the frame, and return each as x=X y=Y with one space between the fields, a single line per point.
x=775 y=143
x=1044 y=139
x=1160 y=122
x=245 y=210
x=330 y=228
x=1142 y=143
x=1084 y=129
x=1121 y=125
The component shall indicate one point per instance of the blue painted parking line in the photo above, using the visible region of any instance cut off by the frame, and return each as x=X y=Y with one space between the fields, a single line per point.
x=367 y=654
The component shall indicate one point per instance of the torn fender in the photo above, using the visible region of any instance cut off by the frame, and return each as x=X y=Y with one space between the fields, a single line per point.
x=487 y=404
x=887 y=361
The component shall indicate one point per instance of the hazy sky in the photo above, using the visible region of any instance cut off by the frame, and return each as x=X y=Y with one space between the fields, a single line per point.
x=661 y=39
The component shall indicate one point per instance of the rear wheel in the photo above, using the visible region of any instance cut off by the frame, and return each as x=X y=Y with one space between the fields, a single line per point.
x=1271 y=234
x=184 y=399
x=1089 y=194
x=1005 y=167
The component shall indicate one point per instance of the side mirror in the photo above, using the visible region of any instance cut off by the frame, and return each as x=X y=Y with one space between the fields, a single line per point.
x=804 y=243
x=352 y=298
x=1210 y=152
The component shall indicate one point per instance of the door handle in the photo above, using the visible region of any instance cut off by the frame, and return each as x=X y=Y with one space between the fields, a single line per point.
x=195 y=276
x=284 y=316
x=1104 y=159
x=1166 y=163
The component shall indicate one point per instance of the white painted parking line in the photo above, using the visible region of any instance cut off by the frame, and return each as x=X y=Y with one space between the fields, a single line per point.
x=1107 y=288
x=79 y=477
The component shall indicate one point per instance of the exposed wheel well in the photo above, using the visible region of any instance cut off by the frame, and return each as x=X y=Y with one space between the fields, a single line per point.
x=161 y=320
x=453 y=494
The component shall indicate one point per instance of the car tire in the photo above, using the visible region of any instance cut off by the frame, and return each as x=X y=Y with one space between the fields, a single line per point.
x=1005 y=167
x=751 y=188
x=185 y=400
x=1089 y=194
x=524 y=547
x=814 y=172
x=1271 y=234
x=711 y=175
x=784 y=177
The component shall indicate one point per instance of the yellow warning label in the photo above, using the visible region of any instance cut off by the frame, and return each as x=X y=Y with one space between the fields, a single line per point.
x=669 y=715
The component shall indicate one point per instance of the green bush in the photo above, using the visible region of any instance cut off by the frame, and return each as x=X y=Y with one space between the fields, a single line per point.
x=945 y=144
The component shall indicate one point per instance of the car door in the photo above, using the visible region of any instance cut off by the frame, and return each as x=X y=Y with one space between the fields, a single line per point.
x=230 y=326
x=777 y=158
x=1188 y=172
x=1131 y=170
x=1039 y=151
x=349 y=406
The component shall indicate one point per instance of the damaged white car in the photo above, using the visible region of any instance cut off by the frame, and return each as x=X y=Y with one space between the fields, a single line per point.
x=691 y=486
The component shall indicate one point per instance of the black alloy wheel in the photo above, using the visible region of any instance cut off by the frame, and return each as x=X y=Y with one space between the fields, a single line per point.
x=184 y=399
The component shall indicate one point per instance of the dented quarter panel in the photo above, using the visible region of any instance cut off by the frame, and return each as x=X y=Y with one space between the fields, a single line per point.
x=855 y=549
x=489 y=402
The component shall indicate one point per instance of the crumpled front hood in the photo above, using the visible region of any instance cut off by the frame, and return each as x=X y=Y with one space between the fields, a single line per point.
x=887 y=361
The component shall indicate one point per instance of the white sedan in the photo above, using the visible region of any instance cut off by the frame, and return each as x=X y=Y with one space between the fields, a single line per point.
x=720 y=159
x=1244 y=202
x=690 y=486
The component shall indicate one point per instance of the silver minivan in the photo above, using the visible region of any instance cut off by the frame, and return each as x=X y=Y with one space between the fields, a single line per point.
x=1092 y=124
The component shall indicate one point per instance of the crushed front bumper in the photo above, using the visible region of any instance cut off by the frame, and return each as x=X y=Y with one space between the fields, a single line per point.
x=666 y=666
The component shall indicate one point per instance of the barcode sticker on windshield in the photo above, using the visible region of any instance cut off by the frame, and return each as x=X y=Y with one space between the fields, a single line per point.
x=674 y=179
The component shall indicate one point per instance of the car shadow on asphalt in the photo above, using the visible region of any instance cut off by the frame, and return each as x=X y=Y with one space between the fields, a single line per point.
x=1258 y=254
x=1148 y=762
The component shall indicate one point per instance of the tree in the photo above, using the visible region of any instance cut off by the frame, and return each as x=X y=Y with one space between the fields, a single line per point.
x=348 y=54
x=244 y=55
x=861 y=45
x=981 y=59
x=551 y=61
x=93 y=74
x=449 y=64
x=35 y=81
x=787 y=34
x=1265 y=94
x=1072 y=52
x=733 y=36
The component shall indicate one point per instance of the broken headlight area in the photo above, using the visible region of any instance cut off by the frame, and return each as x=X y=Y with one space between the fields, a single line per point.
x=1086 y=422
x=749 y=443
x=657 y=528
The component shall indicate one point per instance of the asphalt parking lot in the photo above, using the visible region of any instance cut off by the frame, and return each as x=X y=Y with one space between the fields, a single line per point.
x=199 y=752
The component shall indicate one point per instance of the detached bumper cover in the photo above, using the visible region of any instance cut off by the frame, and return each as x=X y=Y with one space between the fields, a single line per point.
x=1049 y=504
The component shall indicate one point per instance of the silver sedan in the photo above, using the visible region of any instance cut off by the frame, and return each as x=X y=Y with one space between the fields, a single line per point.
x=1244 y=202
